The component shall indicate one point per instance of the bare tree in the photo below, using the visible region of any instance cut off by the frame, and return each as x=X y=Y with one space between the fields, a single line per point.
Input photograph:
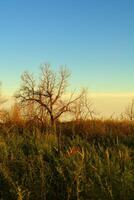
x=49 y=93
x=129 y=111
x=83 y=108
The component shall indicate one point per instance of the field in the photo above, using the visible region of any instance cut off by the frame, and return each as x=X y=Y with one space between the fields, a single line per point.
x=79 y=160
x=66 y=100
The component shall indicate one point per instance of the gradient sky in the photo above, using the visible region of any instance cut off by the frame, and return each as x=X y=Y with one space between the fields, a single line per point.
x=94 y=38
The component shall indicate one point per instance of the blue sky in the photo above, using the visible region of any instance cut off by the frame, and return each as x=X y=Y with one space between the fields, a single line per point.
x=94 y=38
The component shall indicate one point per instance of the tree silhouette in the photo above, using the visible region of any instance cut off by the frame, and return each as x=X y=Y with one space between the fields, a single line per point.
x=48 y=93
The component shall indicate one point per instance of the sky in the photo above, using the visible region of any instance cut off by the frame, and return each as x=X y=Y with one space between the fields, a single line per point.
x=93 y=38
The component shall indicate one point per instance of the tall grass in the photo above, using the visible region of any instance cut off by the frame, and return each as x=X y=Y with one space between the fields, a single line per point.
x=96 y=162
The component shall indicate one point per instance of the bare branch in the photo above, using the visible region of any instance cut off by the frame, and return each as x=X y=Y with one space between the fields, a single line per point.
x=49 y=92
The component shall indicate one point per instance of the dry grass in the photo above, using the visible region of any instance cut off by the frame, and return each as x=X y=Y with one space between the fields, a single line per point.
x=95 y=161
